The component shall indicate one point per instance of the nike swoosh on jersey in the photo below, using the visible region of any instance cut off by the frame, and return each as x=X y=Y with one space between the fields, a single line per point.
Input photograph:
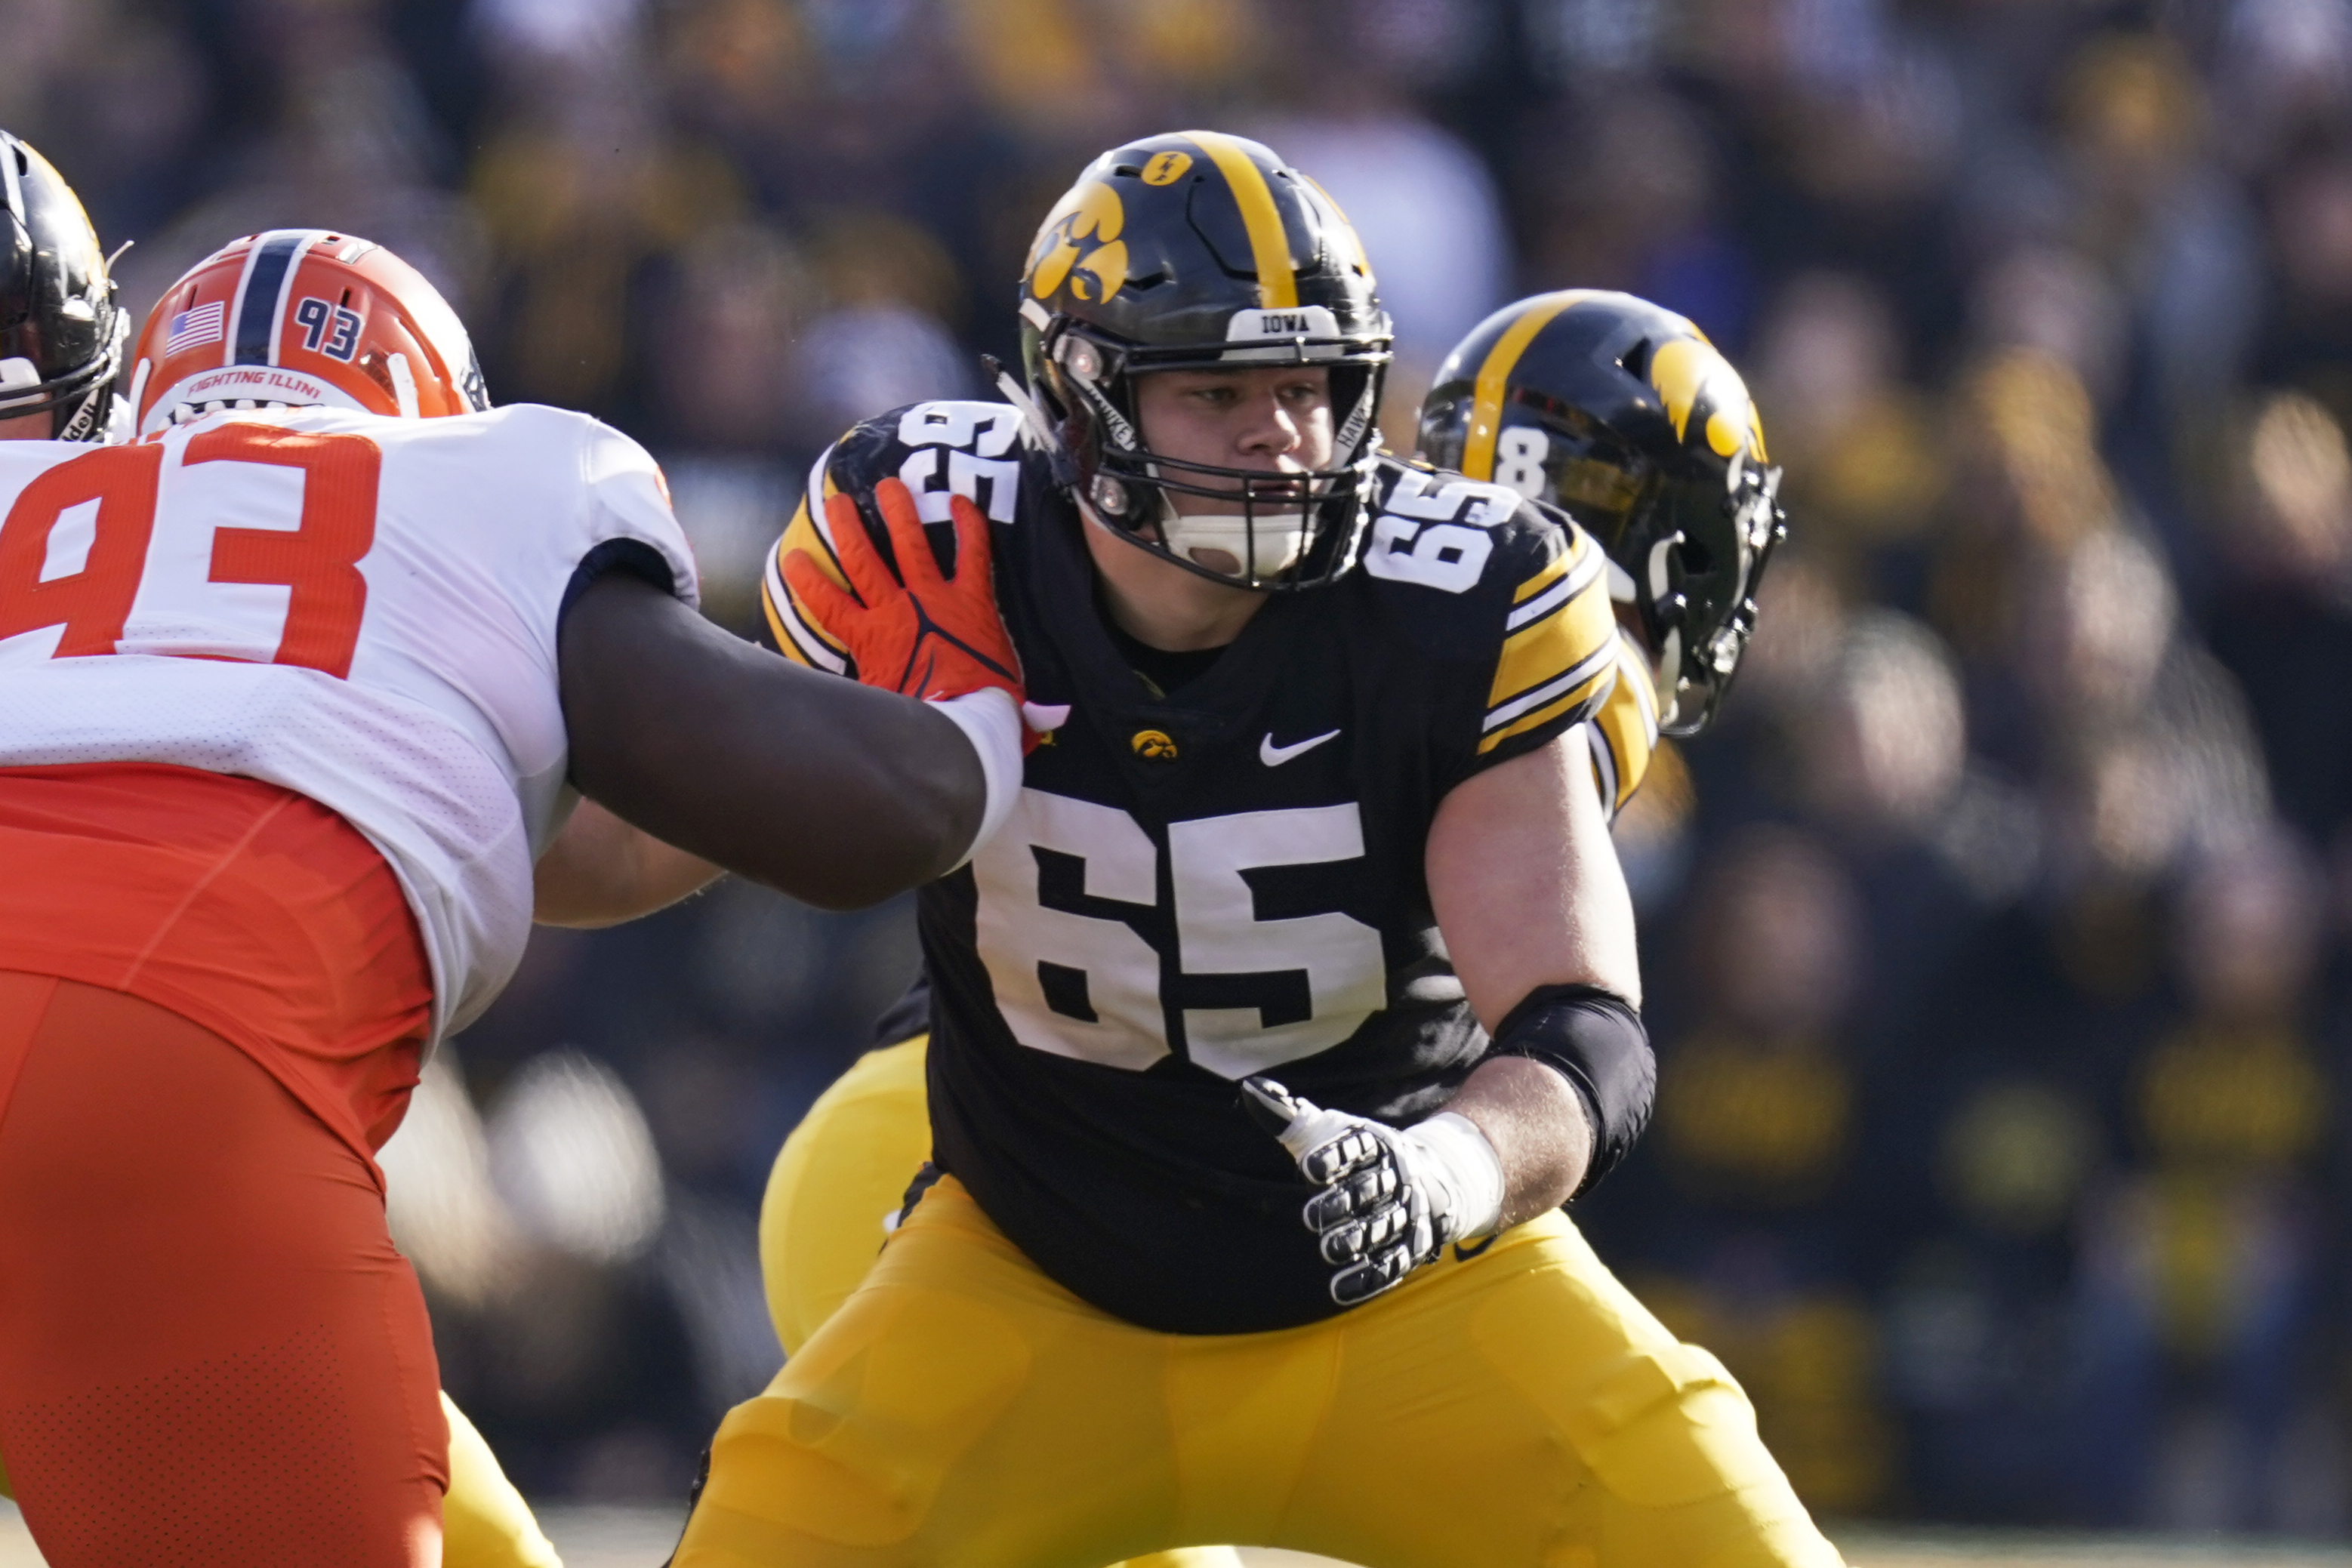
x=1274 y=755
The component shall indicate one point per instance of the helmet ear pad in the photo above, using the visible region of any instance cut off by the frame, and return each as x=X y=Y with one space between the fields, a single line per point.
x=1078 y=422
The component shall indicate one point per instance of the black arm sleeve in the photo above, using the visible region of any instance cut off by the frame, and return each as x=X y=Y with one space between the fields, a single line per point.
x=1595 y=1039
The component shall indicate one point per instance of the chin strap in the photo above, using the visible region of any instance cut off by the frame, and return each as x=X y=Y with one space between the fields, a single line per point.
x=1035 y=428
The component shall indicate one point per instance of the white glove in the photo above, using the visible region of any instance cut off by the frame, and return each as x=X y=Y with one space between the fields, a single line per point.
x=1390 y=1198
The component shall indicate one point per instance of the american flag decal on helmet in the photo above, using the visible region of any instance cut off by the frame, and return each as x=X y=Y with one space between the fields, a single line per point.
x=194 y=327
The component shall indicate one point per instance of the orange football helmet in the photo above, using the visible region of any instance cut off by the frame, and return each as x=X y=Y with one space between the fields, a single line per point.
x=297 y=319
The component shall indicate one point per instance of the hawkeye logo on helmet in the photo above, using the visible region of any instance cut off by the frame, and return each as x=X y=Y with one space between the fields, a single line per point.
x=1688 y=371
x=1079 y=245
x=1274 y=334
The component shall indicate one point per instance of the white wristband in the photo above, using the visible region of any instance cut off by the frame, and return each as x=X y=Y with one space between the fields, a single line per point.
x=990 y=720
x=1473 y=1167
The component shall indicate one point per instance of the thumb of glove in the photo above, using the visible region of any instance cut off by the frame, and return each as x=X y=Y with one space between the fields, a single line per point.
x=1270 y=1105
x=1310 y=1134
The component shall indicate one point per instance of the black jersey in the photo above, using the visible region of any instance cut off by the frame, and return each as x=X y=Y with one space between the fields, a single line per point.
x=1216 y=881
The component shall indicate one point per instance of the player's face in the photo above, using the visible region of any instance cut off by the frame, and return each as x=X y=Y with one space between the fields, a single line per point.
x=26 y=427
x=1276 y=419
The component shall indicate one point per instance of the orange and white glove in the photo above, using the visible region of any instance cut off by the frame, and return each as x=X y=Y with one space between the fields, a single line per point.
x=919 y=632
x=923 y=633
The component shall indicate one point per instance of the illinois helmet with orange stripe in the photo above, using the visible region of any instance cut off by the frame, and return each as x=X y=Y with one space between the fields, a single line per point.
x=299 y=319
x=1202 y=251
x=1622 y=415
x=60 y=329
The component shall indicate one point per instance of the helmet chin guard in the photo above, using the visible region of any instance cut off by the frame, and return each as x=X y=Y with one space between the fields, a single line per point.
x=1261 y=548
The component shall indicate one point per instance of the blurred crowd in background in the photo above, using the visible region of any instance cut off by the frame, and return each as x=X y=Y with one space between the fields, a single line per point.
x=1996 y=939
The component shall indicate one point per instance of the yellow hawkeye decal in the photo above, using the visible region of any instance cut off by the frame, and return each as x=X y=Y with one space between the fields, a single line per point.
x=1081 y=238
x=1689 y=370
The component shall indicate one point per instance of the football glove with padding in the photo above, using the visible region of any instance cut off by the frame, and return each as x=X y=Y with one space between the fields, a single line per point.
x=1390 y=1199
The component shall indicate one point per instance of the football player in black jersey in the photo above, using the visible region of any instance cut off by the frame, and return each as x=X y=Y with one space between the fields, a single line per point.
x=1247 y=1228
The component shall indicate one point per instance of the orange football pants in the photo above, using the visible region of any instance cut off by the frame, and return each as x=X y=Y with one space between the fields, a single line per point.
x=212 y=1003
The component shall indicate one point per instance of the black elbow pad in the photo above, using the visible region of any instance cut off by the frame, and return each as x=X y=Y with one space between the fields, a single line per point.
x=1595 y=1039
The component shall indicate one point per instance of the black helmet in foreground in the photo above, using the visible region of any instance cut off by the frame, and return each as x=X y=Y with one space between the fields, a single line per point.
x=61 y=332
x=1202 y=251
x=1624 y=416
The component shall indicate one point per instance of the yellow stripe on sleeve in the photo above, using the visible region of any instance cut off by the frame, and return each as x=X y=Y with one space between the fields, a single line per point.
x=1578 y=694
x=1578 y=631
x=1494 y=374
x=1628 y=724
x=1277 y=276
x=796 y=629
x=1552 y=572
x=1561 y=652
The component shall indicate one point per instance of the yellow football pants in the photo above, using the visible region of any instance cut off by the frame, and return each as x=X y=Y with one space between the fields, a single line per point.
x=834 y=1192
x=836 y=1187
x=1518 y=1408
x=485 y=1523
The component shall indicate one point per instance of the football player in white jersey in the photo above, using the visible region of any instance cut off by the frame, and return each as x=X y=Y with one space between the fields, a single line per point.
x=293 y=690
x=61 y=359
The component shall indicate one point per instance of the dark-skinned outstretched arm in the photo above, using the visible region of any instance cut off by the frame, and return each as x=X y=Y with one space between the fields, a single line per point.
x=838 y=794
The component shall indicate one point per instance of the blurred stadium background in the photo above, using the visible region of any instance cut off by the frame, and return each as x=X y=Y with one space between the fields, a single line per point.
x=1998 y=937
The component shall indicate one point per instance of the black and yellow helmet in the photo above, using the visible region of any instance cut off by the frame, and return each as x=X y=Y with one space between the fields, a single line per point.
x=61 y=332
x=1202 y=251
x=1623 y=415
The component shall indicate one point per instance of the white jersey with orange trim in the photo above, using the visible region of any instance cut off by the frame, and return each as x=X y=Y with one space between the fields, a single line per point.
x=363 y=610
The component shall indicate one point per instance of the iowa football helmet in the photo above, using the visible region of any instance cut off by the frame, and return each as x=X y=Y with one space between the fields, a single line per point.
x=61 y=331
x=1623 y=415
x=302 y=318
x=1202 y=251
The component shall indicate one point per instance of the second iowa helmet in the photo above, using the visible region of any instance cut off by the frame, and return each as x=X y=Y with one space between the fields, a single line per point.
x=1622 y=415
x=1202 y=251
x=61 y=331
